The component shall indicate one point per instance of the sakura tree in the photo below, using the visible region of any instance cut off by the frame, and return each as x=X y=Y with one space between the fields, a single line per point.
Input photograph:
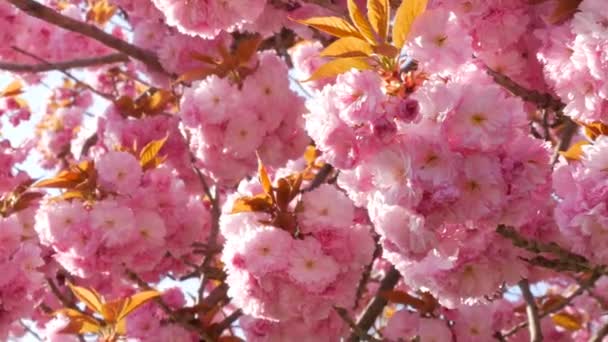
x=304 y=170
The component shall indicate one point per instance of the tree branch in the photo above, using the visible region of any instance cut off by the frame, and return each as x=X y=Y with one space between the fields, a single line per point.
x=65 y=65
x=600 y=334
x=567 y=134
x=584 y=285
x=179 y=319
x=542 y=100
x=343 y=313
x=536 y=334
x=48 y=14
x=375 y=307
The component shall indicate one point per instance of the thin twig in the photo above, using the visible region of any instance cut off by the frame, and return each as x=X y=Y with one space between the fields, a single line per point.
x=105 y=96
x=181 y=320
x=343 y=313
x=600 y=334
x=227 y=322
x=65 y=65
x=536 y=334
x=62 y=298
x=595 y=275
x=542 y=100
x=49 y=15
x=567 y=134
x=320 y=178
x=375 y=307
x=30 y=330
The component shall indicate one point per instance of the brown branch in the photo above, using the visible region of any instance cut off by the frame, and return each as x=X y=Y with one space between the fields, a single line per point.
x=539 y=247
x=375 y=307
x=542 y=100
x=353 y=326
x=536 y=334
x=600 y=334
x=65 y=72
x=179 y=319
x=584 y=285
x=30 y=330
x=62 y=298
x=65 y=65
x=227 y=322
x=567 y=134
x=320 y=177
x=48 y=14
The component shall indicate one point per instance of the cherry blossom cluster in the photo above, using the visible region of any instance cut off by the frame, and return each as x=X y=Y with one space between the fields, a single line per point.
x=282 y=279
x=19 y=263
x=39 y=38
x=574 y=59
x=581 y=210
x=145 y=220
x=438 y=170
x=61 y=124
x=227 y=124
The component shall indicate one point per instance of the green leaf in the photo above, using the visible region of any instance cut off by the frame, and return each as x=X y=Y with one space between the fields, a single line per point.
x=407 y=12
x=340 y=66
x=348 y=47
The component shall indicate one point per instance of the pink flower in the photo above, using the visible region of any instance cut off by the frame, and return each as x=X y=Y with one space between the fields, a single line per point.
x=324 y=207
x=438 y=42
x=119 y=172
x=483 y=120
x=210 y=101
x=116 y=222
x=358 y=96
x=310 y=267
x=151 y=228
x=206 y=18
x=266 y=250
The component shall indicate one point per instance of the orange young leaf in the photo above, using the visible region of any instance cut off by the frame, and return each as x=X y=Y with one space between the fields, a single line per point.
x=575 y=152
x=246 y=48
x=340 y=66
x=204 y=58
x=386 y=50
x=101 y=12
x=264 y=179
x=595 y=129
x=348 y=47
x=127 y=106
x=361 y=22
x=135 y=301
x=195 y=74
x=89 y=297
x=402 y=297
x=406 y=14
x=379 y=15
x=13 y=89
x=564 y=10
x=148 y=154
x=567 y=321
x=156 y=102
x=283 y=194
x=259 y=203
x=80 y=323
x=310 y=155
x=335 y=26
